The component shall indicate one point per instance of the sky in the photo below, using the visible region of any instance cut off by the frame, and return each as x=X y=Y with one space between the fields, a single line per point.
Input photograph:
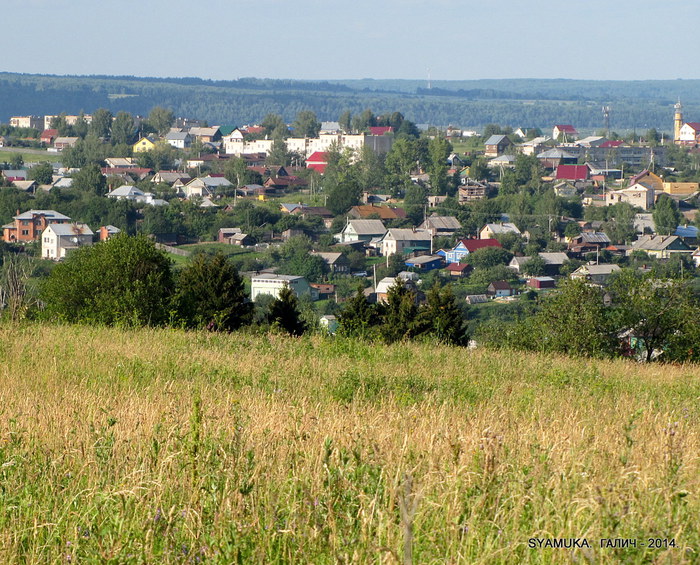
x=353 y=39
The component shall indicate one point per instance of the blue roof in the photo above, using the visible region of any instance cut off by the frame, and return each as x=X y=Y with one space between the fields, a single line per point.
x=686 y=231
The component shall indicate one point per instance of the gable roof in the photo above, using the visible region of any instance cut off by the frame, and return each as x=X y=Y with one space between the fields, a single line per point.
x=48 y=214
x=70 y=229
x=658 y=242
x=367 y=227
x=384 y=212
x=380 y=130
x=572 y=172
x=694 y=125
x=496 y=139
x=566 y=128
x=472 y=245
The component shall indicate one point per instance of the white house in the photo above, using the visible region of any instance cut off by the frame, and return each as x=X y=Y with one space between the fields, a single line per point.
x=396 y=240
x=58 y=239
x=271 y=284
x=179 y=139
x=361 y=230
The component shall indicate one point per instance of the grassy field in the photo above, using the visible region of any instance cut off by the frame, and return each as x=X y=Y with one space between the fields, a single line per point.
x=160 y=446
x=30 y=156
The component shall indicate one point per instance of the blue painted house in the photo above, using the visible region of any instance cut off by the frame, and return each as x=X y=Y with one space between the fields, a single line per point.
x=466 y=246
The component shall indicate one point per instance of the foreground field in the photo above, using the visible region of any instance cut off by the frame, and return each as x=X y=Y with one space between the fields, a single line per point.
x=159 y=446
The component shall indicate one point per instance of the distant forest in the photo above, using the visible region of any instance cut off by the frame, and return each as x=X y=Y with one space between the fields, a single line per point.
x=531 y=103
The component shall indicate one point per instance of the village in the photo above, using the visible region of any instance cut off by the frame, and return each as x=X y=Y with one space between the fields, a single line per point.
x=503 y=217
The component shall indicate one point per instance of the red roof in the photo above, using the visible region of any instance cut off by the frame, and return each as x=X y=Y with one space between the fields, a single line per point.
x=318 y=157
x=572 y=172
x=566 y=128
x=49 y=133
x=612 y=143
x=694 y=125
x=320 y=168
x=472 y=245
x=380 y=130
x=457 y=267
x=253 y=129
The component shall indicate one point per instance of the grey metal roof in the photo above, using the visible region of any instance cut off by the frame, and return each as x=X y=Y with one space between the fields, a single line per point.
x=442 y=222
x=70 y=229
x=655 y=242
x=367 y=227
x=49 y=214
x=495 y=139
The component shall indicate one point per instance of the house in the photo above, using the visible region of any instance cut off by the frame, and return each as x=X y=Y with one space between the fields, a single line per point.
x=425 y=262
x=48 y=136
x=565 y=189
x=337 y=262
x=204 y=186
x=588 y=242
x=240 y=239
x=441 y=225
x=170 y=177
x=458 y=270
x=361 y=230
x=271 y=284
x=121 y=162
x=225 y=233
x=637 y=195
x=477 y=299
x=596 y=274
x=572 y=172
x=489 y=231
x=234 y=142
x=12 y=175
x=105 y=232
x=502 y=162
x=318 y=161
x=499 y=288
x=661 y=246
x=466 y=246
x=329 y=322
x=60 y=143
x=689 y=234
x=553 y=158
x=681 y=188
x=28 y=186
x=126 y=192
x=553 y=261
x=566 y=132
x=144 y=144
x=648 y=179
x=179 y=139
x=382 y=291
x=541 y=283
x=496 y=145
x=381 y=212
x=381 y=130
x=471 y=190
x=324 y=291
x=57 y=240
x=689 y=134
x=206 y=134
x=29 y=225
x=405 y=240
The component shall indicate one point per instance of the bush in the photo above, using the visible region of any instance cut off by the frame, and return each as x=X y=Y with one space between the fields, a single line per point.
x=124 y=280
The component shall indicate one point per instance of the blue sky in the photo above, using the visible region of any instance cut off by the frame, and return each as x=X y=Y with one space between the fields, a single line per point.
x=328 y=39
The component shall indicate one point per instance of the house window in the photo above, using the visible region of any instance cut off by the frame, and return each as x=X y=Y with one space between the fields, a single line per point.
x=25 y=232
x=25 y=222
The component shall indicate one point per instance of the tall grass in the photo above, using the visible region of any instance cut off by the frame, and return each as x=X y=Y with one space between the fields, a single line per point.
x=160 y=446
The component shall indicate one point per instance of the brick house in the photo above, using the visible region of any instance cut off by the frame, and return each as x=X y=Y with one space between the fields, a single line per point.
x=29 y=225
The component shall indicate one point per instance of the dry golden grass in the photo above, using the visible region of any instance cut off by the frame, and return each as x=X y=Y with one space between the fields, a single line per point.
x=322 y=451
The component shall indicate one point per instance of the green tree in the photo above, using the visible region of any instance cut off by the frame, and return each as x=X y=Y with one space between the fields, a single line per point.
x=575 y=321
x=443 y=316
x=273 y=123
x=211 y=294
x=101 y=124
x=124 y=280
x=487 y=257
x=345 y=121
x=341 y=181
x=358 y=317
x=16 y=161
x=399 y=314
x=42 y=173
x=90 y=179
x=123 y=128
x=284 y=313
x=278 y=154
x=650 y=309
x=439 y=150
x=81 y=127
x=160 y=119
x=666 y=215
x=306 y=124
x=535 y=266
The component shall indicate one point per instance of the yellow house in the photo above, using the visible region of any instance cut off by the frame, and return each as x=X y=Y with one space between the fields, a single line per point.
x=143 y=144
x=681 y=188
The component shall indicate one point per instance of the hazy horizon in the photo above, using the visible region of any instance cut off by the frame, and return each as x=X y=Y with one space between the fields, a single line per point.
x=390 y=40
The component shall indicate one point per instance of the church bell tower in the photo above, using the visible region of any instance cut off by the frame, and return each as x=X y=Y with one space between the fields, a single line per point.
x=677 y=121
